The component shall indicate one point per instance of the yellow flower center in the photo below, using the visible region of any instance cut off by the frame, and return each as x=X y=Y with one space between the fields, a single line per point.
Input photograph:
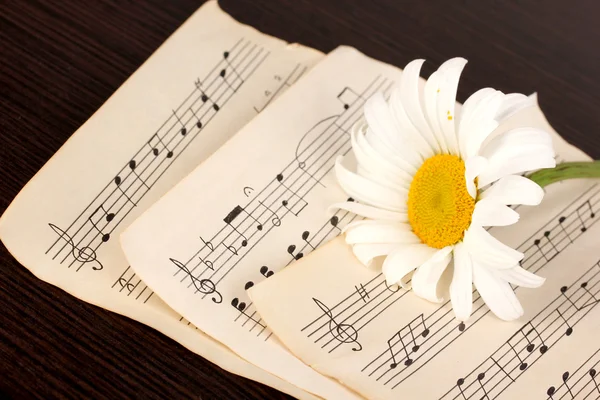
x=439 y=205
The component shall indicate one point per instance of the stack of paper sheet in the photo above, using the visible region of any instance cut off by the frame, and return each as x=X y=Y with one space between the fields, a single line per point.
x=199 y=260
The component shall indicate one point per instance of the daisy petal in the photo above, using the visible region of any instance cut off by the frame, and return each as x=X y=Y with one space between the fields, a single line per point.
x=406 y=127
x=489 y=212
x=515 y=189
x=473 y=167
x=514 y=103
x=367 y=252
x=369 y=192
x=383 y=128
x=404 y=260
x=477 y=120
x=372 y=231
x=520 y=277
x=426 y=277
x=378 y=167
x=431 y=94
x=496 y=293
x=461 y=288
x=410 y=97
x=368 y=211
x=517 y=151
x=446 y=102
x=489 y=251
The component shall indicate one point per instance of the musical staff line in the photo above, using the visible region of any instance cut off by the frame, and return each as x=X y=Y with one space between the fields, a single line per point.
x=95 y=224
x=553 y=323
x=291 y=78
x=442 y=324
x=284 y=195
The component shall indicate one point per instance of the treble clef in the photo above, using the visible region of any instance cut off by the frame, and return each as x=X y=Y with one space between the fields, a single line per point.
x=343 y=333
x=84 y=255
x=204 y=286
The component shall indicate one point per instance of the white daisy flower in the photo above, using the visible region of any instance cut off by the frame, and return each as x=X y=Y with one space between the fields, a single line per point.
x=424 y=183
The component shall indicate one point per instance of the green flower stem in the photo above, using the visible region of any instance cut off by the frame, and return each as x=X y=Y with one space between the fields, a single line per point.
x=566 y=170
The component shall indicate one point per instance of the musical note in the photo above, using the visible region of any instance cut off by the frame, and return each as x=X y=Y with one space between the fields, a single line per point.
x=581 y=210
x=593 y=300
x=274 y=218
x=248 y=285
x=125 y=284
x=411 y=331
x=291 y=248
x=305 y=236
x=241 y=307
x=343 y=333
x=118 y=182
x=347 y=96
x=228 y=219
x=204 y=286
x=362 y=292
x=84 y=255
x=592 y=374
x=562 y=227
x=198 y=122
x=294 y=197
x=461 y=327
x=530 y=344
x=208 y=244
x=183 y=130
x=208 y=263
x=565 y=377
x=522 y=364
x=569 y=330
x=226 y=58
x=480 y=378
x=459 y=384
x=107 y=216
x=541 y=250
x=265 y=271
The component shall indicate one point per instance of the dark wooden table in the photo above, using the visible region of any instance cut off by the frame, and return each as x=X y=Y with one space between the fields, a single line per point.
x=60 y=60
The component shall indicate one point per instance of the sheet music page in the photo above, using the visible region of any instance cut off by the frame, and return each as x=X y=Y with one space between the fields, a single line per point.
x=201 y=86
x=255 y=206
x=386 y=343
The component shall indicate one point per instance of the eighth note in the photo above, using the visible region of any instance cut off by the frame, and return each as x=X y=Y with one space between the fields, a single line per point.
x=291 y=248
x=265 y=271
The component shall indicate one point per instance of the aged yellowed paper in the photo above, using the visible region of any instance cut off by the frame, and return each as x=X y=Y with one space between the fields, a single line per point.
x=209 y=79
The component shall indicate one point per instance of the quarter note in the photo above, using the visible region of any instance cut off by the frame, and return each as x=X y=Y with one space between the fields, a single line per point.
x=569 y=330
x=480 y=378
x=198 y=122
x=183 y=130
x=118 y=182
x=593 y=300
x=459 y=384
x=248 y=285
x=565 y=377
x=231 y=67
x=132 y=166
x=593 y=378
x=305 y=236
x=562 y=227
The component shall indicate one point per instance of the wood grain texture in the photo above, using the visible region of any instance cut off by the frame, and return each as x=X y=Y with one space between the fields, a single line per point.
x=61 y=59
